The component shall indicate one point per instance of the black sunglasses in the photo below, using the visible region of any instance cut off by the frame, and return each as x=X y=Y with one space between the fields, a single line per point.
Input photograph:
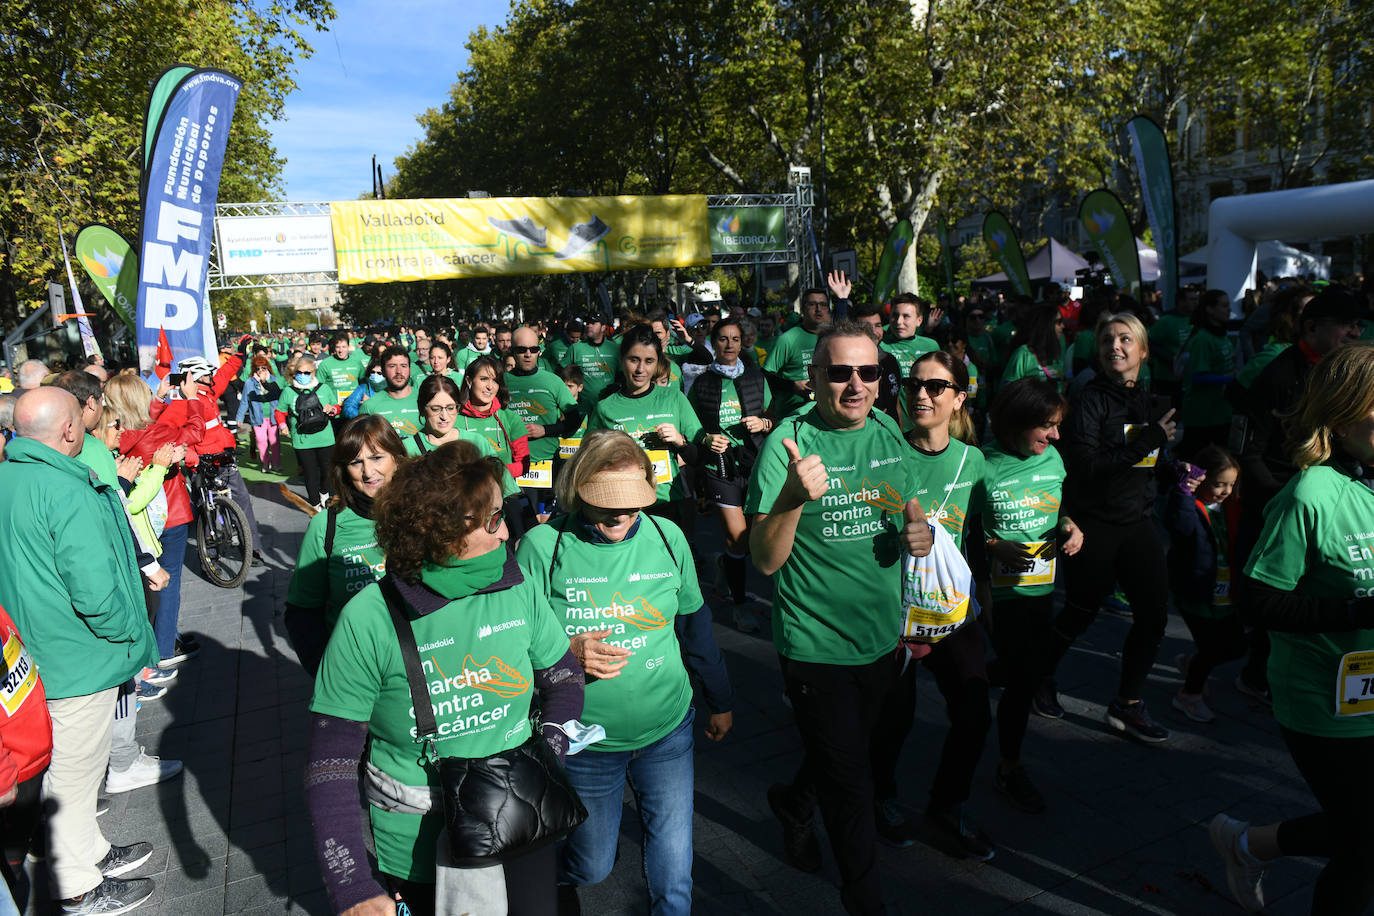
x=518 y=349
x=839 y=373
x=933 y=386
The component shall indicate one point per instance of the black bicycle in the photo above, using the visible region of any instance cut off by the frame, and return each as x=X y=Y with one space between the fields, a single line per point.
x=222 y=538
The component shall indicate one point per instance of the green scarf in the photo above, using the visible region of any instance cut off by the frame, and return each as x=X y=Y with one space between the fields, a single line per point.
x=460 y=578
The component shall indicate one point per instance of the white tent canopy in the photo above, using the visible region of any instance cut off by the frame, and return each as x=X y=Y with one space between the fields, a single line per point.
x=1274 y=258
x=1053 y=262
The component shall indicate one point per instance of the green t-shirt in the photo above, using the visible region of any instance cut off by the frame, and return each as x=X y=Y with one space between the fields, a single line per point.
x=982 y=345
x=341 y=374
x=1317 y=540
x=1167 y=336
x=287 y=405
x=790 y=359
x=635 y=587
x=946 y=489
x=598 y=365
x=402 y=413
x=1024 y=364
x=1001 y=335
x=556 y=349
x=479 y=655
x=423 y=372
x=731 y=410
x=765 y=346
x=540 y=397
x=1204 y=403
x=463 y=357
x=837 y=599
x=1021 y=497
x=498 y=429
x=1084 y=348
x=329 y=581
x=907 y=351
x=416 y=445
x=640 y=416
x=1251 y=370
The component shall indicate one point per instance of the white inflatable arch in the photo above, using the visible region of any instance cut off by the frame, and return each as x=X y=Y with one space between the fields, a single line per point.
x=1235 y=224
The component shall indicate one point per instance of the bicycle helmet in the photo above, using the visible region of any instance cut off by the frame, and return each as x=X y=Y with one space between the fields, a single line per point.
x=197 y=367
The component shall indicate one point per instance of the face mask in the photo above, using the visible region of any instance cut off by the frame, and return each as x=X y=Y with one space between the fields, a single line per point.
x=303 y=378
x=376 y=380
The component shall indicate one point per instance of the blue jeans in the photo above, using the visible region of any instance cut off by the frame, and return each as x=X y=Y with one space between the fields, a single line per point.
x=169 y=599
x=661 y=778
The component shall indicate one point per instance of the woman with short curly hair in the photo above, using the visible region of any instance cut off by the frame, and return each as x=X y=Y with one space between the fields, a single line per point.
x=488 y=640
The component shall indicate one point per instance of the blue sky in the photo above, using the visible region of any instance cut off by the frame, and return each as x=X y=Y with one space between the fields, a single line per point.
x=378 y=67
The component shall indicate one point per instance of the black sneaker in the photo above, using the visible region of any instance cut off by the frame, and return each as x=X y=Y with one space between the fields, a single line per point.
x=799 y=841
x=1250 y=690
x=958 y=836
x=1134 y=719
x=893 y=828
x=187 y=647
x=1045 y=703
x=121 y=860
x=1017 y=787
x=257 y=559
x=110 y=898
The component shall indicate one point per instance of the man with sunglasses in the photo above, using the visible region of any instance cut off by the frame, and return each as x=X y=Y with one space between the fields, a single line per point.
x=542 y=400
x=832 y=498
x=789 y=361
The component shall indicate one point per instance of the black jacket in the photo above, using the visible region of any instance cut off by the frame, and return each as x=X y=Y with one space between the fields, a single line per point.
x=1264 y=459
x=1101 y=484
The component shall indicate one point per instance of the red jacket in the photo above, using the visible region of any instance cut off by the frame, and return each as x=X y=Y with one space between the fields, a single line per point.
x=177 y=423
x=519 y=465
x=25 y=727
x=217 y=438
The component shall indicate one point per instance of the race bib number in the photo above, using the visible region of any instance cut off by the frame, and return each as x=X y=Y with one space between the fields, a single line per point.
x=1355 y=685
x=662 y=463
x=1133 y=431
x=568 y=447
x=1040 y=573
x=540 y=474
x=1221 y=591
x=20 y=676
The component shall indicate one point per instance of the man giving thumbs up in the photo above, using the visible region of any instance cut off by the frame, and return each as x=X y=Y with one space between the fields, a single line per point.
x=830 y=496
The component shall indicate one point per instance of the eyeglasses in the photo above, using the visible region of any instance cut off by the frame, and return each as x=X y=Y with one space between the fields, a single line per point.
x=441 y=409
x=519 y=349
x=839 y=373
x=933 y=386
x=493 y=523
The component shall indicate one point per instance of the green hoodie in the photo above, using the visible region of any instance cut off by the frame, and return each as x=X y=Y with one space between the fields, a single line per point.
x=70 y=584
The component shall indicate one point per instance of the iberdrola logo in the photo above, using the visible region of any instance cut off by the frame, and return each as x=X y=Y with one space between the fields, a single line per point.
x=728 y=224
x=996 y=240
x=1099 y=223
x=105 y=265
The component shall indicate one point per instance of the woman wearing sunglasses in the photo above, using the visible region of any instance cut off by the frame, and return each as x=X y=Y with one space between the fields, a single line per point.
x=949 y=471
x=658 y=417
x=489 y=644
x=624 y=586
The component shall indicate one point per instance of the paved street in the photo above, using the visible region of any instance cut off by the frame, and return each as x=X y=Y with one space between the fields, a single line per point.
x=1126 y=829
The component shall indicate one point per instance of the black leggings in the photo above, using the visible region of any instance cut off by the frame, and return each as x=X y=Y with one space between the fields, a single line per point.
x=1218 y=639
x=1337 y=772
x=19 y=823
x=1129 y=554
x=530 y=887
x=960 y=671
x=1022 y=636
x=314 y=464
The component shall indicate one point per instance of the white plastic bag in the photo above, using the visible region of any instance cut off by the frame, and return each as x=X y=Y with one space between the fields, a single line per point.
x=937 y=591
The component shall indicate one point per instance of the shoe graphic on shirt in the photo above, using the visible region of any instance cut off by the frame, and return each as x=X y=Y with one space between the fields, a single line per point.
x=581 y=236
x=522 y=227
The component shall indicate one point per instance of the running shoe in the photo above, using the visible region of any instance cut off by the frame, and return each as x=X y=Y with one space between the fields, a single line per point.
x=109 y=898
x=147 y=692
x=582 y=236
x=958 y=835
x=1134 y=719
x=1244 y=870
x=186 y=648
x=893 y=828
x=158 y=676
x=1256 y=693
x=1018 y=789
x=522 y=227
x=257 y=559
x=147 y=770
x=1045 y=703
x=799 y=841
x=121 y=860
x=746 y=621
x=1181 y=662
x=1194 y=707
x=1117 y=604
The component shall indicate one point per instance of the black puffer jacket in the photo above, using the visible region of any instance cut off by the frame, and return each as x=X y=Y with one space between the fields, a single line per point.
x=1102 y=484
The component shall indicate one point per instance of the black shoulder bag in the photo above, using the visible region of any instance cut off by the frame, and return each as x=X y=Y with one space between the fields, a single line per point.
x=495 y=808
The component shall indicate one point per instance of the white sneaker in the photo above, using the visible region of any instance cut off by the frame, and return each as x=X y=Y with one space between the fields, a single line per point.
x=1193 y=707
x=1244 y=871
x=147 y=770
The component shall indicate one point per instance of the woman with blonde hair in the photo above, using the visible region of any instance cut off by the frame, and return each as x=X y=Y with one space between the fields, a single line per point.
x=1308 y=583
x=624 y=586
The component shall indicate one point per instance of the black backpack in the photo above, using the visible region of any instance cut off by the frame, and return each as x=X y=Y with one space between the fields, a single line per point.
x=310 y=415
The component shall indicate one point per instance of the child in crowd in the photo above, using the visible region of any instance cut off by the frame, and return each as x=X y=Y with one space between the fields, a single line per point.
x=1200 y=571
